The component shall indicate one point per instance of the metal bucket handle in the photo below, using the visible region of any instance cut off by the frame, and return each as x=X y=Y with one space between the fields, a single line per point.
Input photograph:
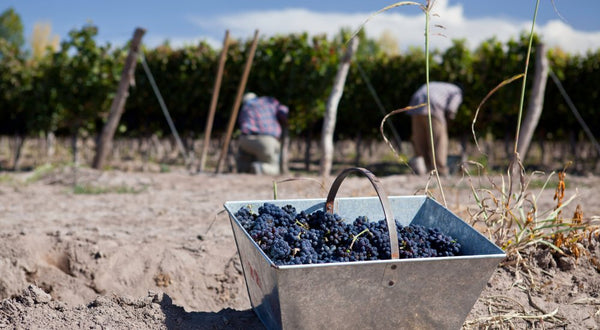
x=383 y=198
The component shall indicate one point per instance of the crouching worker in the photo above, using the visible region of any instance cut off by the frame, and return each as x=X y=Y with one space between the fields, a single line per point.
x=261 y=121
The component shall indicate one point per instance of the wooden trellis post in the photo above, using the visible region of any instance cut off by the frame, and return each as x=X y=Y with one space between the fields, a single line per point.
x=238 y=100
x=213 y=102
x=118 y=104
x=332 y=104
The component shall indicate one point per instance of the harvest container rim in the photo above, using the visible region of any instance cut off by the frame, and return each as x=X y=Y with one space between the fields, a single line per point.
x=323 y=199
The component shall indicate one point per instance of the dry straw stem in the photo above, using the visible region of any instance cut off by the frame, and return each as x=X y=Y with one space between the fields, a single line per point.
x=381 y=125
x=515 y=159
x=502 y=84
x=504 y=311
x=587 y=301
x=480 y=194
x=522 y=100
x=275 y=182
x=397 y=4
x=217 y=213
x=495 y=320
x=557 y=12
x=427 y=10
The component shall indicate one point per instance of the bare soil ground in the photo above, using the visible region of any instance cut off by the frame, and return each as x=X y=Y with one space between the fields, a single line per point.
x=155 y=251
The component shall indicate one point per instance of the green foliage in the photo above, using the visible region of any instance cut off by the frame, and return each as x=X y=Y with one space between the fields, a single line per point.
x=11 y=28
x=164 y=168
x=15 y=85
x=82 y=78
x=6 y=179
x=40 y=172
x=183 y=77
x=457 y=67
x=71 y=90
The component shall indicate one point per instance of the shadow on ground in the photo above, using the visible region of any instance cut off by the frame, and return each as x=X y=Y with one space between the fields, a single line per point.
x=178 y=318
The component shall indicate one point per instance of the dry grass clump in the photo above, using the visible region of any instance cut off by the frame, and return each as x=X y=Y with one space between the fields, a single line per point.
x=514 y=221
x=536 y=240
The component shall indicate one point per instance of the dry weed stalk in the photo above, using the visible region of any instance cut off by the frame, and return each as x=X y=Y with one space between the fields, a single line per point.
x=319 y=182
x=427 y=8
x=382 y=124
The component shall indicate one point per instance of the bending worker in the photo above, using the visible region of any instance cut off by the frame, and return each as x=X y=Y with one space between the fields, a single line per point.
x=444 y=100
x=261 y=120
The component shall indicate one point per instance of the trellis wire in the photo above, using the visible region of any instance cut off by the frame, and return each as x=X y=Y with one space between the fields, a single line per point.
x=379 y=104
x=564 y=94
x=164 y=109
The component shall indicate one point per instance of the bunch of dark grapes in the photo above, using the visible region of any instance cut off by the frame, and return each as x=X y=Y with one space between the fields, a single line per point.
x=292 y=238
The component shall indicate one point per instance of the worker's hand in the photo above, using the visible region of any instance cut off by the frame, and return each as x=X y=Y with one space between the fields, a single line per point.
x=450 y=115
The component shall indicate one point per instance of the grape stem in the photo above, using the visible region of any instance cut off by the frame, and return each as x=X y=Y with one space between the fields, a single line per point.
x=356 y=237
x=294 y=251
x=303 y=225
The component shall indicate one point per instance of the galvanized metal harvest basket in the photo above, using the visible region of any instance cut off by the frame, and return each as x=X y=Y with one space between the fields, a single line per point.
x=421 y=293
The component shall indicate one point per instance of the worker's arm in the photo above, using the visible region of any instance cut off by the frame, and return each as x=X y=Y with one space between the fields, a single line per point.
x=282 y=115
x=452 y=106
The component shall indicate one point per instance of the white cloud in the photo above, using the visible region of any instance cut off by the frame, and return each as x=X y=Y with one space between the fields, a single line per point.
x=178 y=42
x=557 y=33
x=407 y=25
x=273 y=22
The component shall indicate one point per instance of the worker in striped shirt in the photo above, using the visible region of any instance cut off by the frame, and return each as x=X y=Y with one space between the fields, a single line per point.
x=261 y=120
x=445 y=99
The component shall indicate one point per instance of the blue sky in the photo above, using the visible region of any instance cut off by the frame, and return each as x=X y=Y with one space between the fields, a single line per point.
x=575 y=27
